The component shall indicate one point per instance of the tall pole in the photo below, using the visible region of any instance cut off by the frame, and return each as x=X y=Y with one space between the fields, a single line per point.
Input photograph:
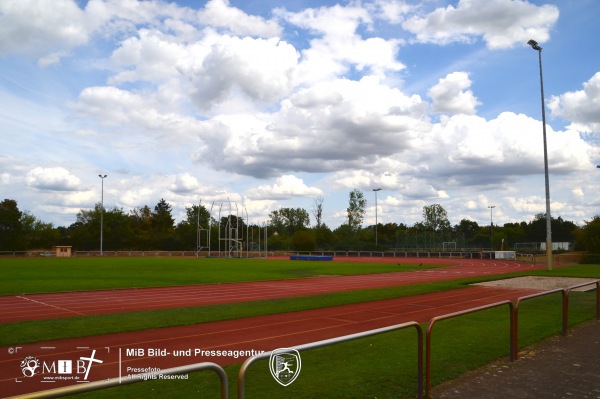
x=375 y=190
x=536 y=47
x=491 y=226
x=102 y=214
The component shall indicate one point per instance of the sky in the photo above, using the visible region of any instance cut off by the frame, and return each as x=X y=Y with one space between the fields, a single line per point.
x=256 y=105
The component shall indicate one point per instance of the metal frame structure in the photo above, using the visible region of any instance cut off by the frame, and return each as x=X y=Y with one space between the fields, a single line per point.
x=205 y=229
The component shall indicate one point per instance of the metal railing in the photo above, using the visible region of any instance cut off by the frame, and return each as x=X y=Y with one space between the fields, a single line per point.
x=514 y=322
x=452 y=315
x=241 y=383
x=565 y=312
x=115 y=382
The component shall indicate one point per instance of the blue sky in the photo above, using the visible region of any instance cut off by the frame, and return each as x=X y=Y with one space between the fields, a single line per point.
x=271 y=104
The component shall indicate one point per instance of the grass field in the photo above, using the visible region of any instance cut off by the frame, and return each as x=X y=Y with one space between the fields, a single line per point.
x=383 y=364
x=31 y=275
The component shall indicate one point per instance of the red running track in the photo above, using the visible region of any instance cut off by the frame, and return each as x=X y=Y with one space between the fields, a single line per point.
x=70 y=304
x=261 y=333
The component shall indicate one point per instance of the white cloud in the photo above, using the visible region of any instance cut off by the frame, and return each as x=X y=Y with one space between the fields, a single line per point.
x=49 y=30
x=501 y=23
x=286 y=186
x=580 y=107
x=262 y=69
x=184 y=183
x=41 y=29
x=218 y=13
x=56 y=179
x=393 y=11
x=472 y=151
x=337 y=46
x=153 y=56
x=451 y=95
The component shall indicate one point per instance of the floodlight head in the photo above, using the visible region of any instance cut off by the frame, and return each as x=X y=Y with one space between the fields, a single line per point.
x=534 y=45
x=102 y=176
x=376 y=189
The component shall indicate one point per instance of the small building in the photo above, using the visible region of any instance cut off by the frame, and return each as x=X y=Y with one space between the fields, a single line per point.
x=62 y=251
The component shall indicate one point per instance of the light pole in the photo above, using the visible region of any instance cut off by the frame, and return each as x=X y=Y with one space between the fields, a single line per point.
x=102 y=213
x=375 y=190
x=536 y=47
x=491 y=226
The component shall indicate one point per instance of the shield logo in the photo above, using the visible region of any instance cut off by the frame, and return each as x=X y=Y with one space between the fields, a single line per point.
x=285 y=365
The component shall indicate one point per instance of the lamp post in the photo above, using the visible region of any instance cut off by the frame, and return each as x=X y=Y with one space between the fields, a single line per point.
x=536 y=47
x=375 y=190
x=491 y=207
x=102 y=213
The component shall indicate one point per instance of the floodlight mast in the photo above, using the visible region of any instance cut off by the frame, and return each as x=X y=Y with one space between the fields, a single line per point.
x=537 y=47
x=102 y=214
x=375 y=190
x=491 y=207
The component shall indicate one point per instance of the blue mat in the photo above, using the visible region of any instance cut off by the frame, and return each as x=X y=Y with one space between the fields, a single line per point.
x=311 y=257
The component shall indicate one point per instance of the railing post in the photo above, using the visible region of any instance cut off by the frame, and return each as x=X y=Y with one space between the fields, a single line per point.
x=449 y=316
x=565 y=311
x=598 y=300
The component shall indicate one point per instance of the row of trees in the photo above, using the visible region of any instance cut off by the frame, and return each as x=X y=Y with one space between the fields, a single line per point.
x=148 y=228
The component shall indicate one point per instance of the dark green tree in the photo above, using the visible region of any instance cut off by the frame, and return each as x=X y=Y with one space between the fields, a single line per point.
x=37 y=234
x=11 y=232
x=163 y=225
x=588 y=236
x=141 y=225
x=287 y=221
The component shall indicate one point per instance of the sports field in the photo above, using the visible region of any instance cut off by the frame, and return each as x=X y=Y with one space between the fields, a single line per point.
x=243 y=305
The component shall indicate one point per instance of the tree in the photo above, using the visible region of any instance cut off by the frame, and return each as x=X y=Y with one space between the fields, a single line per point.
x=588 y=237
x=435 y=218
x=356 y=209
x=318 y=211
x=117 y=231
x=289 y=220
x=10 y=226
x=38 y=234
x=162 y=225
x=141 y=224
x=304 y=240
x=85 y=232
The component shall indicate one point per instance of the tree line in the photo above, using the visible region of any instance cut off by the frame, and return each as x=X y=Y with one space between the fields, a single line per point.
x=154 y=228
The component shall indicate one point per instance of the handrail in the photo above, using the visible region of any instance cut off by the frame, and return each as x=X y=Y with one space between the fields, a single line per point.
x=449 y=316
x=514 y=350
x=565 y=312
x=313 y=345
x=114 y=382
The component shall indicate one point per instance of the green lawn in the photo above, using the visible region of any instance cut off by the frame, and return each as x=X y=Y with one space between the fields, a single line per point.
x=30 y=275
